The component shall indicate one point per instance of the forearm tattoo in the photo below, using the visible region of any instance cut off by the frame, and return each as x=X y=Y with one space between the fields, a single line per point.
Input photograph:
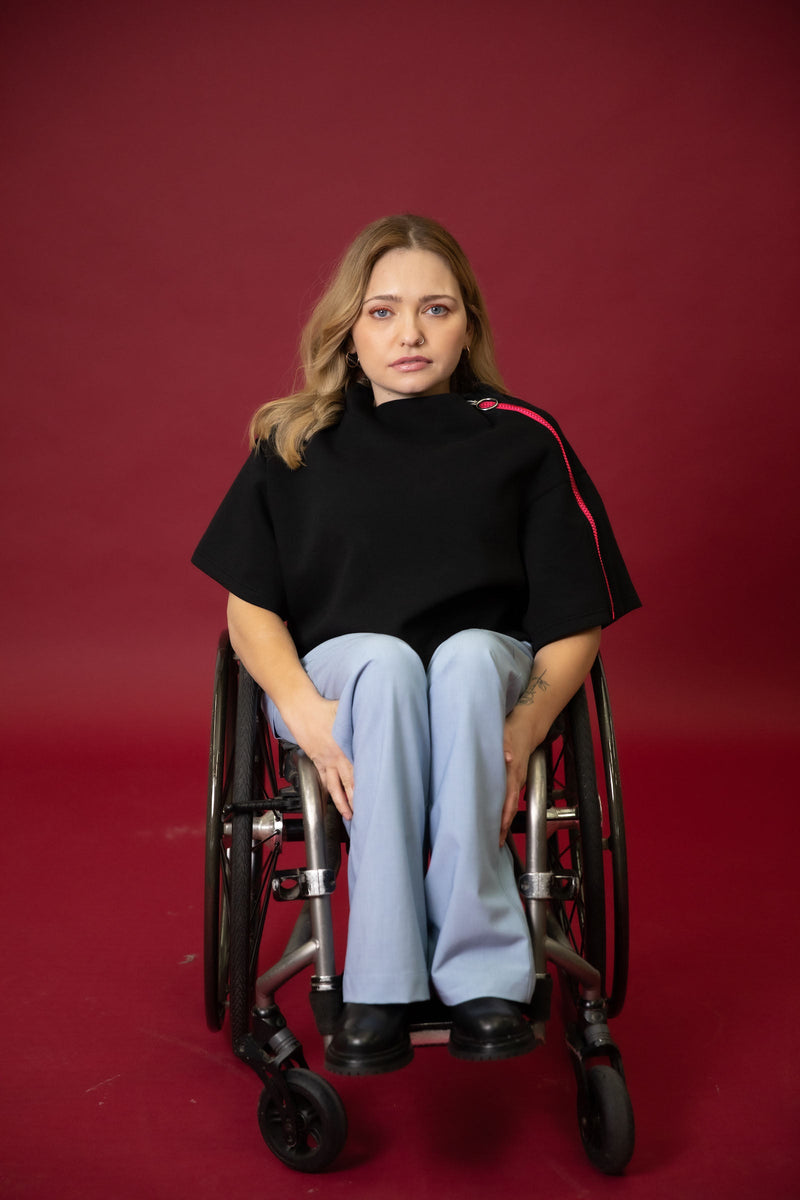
x=536 y=683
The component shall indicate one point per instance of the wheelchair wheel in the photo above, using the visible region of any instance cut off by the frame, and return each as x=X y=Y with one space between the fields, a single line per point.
x=614 y=842
x=591 y=904
x=576 y=854
x=310 y=1137
x=605 y=1117
x=251 y=869
x=216 y=906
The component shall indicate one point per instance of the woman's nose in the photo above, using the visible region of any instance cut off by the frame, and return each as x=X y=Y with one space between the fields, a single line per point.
x=411 y=335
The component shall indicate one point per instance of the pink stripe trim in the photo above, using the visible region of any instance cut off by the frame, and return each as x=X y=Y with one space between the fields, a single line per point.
x=526 y=412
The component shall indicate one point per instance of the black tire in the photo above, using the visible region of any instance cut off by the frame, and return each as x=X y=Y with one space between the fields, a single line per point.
x=615 y=844
x=242 y=950
x=251 y=864
x=578 y=904
x=216 y=901
x=311 y=1138
x=605 y=1119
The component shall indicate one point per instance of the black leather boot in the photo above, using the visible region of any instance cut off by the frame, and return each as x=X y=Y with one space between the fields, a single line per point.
x=489 y=1028
x=370 y=1039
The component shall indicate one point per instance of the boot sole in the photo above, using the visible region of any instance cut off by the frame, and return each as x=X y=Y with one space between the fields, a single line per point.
x=475 y=1051
x=370 y=1064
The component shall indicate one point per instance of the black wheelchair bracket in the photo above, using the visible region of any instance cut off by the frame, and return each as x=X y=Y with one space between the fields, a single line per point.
x=539 y=1007
x=288 y=753
x=271 y=1048
x=326 y=1002
x=286 y=799
x=590 y=1038
x=301 y=883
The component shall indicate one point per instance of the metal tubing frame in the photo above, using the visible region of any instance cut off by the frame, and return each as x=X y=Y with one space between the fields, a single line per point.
x=546 y=948
x=319 y=948
x=536 y=853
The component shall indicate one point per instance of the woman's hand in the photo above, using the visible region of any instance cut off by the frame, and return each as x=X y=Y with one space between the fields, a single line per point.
x=314 y=733
x=520 y=739
x=557 y=671
x=262 y=642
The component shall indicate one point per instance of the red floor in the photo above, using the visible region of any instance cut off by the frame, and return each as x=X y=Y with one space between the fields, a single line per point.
x=113 y=1087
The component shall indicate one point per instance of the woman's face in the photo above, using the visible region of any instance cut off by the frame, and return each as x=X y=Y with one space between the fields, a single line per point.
x=412 y=327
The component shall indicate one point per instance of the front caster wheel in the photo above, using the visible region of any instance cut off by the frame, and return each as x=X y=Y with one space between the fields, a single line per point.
x=605 y=1117
x=309 y=1137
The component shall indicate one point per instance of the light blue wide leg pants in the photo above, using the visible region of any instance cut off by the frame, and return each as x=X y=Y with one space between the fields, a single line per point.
x=427 y=751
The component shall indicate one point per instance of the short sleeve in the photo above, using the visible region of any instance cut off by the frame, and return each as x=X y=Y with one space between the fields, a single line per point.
x=239 y=549
x=577 y=578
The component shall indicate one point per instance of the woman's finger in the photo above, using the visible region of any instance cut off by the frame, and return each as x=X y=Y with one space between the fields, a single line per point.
x=338 y=793
x=511 y=803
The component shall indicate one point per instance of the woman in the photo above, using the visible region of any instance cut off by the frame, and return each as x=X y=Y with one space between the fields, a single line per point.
x=418 y=569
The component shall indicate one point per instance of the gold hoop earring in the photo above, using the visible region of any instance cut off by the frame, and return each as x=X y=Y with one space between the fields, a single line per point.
x=351 y=358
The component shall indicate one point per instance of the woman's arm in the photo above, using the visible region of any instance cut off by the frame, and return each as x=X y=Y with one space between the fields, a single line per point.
x=263 y=643
x=558 y=670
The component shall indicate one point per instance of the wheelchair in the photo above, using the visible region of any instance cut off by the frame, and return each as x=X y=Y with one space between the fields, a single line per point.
x=570 y=860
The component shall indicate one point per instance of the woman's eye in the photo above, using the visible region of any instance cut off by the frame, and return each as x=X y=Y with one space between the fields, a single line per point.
x=437 y=310
x=379 y=312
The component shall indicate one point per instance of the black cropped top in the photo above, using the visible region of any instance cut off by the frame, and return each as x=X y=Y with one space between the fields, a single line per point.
x=419 y=518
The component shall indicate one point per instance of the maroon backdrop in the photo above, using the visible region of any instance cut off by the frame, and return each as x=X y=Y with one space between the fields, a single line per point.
x=177 y=180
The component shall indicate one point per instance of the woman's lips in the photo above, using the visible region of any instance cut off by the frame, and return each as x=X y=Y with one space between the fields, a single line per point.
x=410 y=364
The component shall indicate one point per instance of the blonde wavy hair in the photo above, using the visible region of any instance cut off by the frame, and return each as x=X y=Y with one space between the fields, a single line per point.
x=289 y=423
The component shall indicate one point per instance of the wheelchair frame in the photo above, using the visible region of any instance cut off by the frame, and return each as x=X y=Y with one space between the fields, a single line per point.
x=571 y=873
